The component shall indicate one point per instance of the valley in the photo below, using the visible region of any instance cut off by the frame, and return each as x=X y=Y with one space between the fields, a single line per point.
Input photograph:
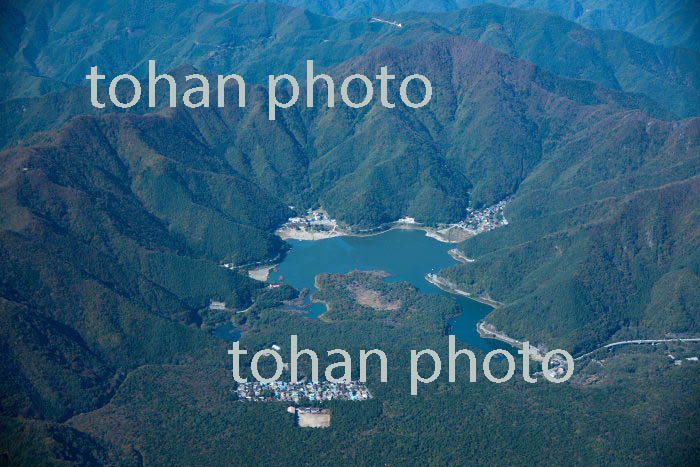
x=548 y=190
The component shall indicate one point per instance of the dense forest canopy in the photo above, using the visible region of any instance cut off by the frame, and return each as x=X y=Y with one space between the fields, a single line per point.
x=115 y=226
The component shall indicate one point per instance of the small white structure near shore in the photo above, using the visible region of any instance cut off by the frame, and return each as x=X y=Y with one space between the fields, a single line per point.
x=215 y=305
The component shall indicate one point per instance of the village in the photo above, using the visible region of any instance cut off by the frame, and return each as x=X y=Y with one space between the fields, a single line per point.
x=483 y=220
x=302 y=391
x=317 y=225
x=314 y=218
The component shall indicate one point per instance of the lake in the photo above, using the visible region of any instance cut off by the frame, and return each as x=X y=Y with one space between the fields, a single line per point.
x=406 y=254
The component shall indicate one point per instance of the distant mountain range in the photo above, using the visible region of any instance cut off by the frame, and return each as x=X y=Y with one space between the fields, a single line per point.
x=259 y=39
x=666 y=22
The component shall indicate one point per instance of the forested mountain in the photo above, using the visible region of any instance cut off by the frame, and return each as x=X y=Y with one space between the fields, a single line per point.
x=114 y=226
x=617 y=261
x=110 y=238
x=211 y=183
x=666 y=22
x=187 y=414
x=255 y=40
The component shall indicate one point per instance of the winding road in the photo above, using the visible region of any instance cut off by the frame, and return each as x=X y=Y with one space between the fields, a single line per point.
x=503 y=337
x=639 y=341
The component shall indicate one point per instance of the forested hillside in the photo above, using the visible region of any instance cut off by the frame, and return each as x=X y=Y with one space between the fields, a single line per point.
x=110 y=242
x=667 y=22
x=255 y=40
x=210 y=184
x=629 y=271
x=192 y=409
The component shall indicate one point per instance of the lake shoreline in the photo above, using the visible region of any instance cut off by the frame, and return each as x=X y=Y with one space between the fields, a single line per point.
x=403 y=251
x=449 y=287
x=286 y=233
x=489 y=331
x=483 y=328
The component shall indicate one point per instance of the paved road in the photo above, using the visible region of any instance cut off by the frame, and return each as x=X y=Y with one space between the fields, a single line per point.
x=639 y=341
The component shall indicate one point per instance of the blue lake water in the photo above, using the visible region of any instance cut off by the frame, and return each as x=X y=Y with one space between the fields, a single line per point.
x=228 y=332
x=408 y=255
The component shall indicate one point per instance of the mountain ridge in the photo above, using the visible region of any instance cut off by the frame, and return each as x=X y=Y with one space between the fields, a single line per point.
x=222 y=39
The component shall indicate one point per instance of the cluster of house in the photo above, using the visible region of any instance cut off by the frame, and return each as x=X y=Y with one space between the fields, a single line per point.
x=313 y=218
x=302 y=391
x=483 y=220
x=477 y=220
